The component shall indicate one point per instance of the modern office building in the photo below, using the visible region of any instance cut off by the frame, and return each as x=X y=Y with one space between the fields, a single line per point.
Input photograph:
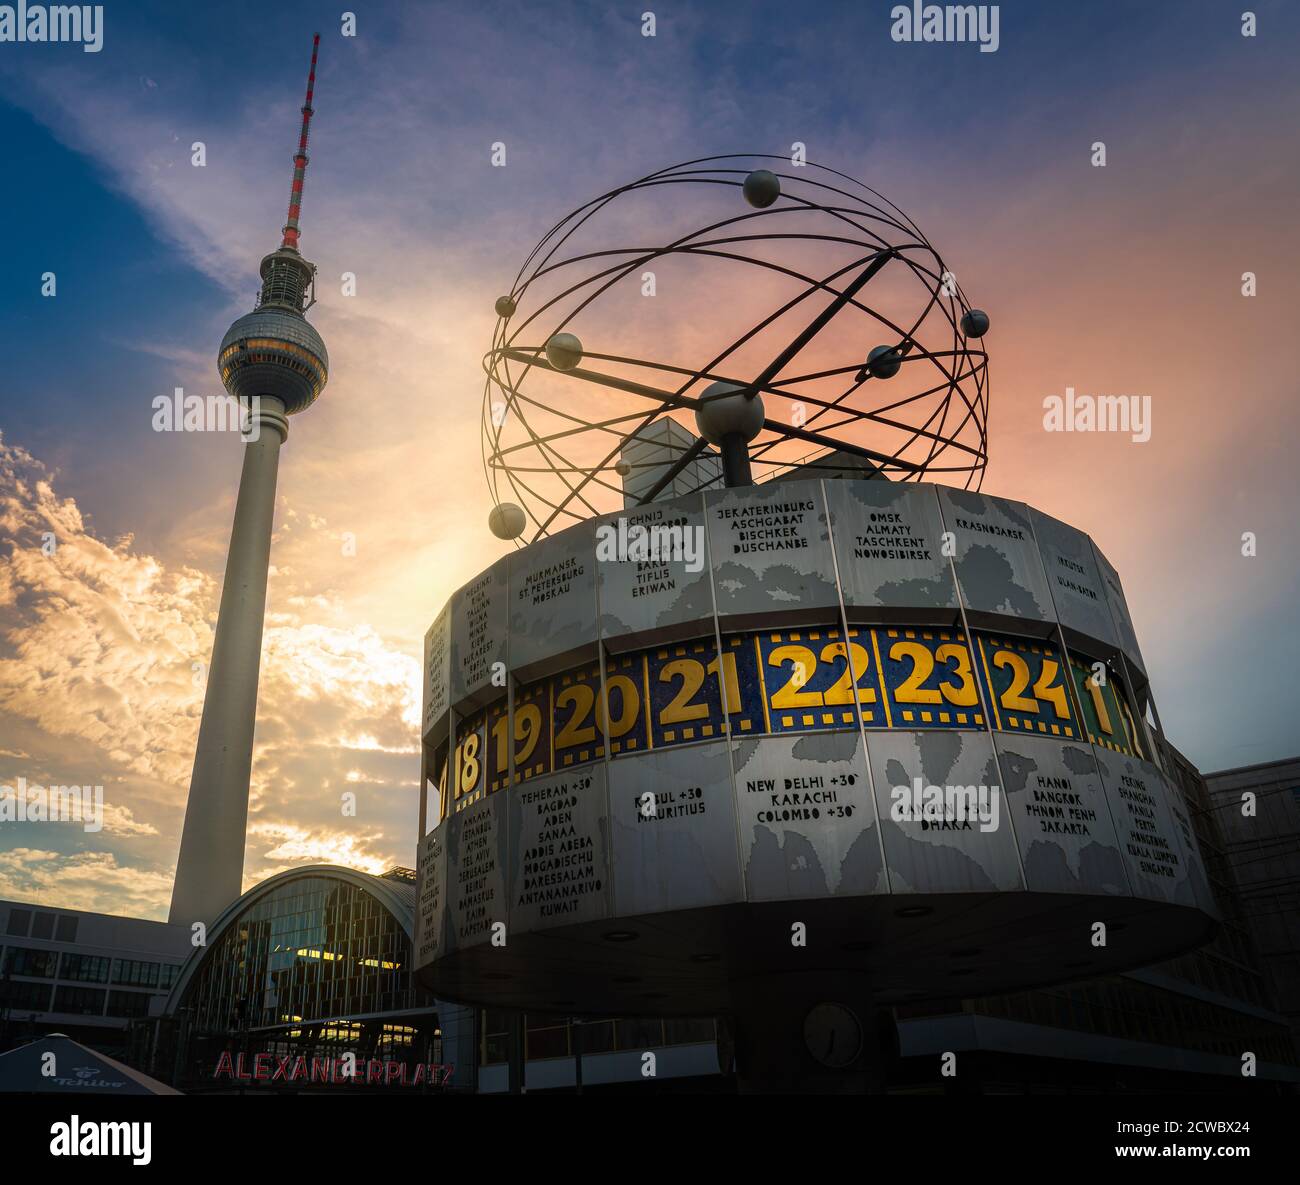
x=1257 y=810
x=88 y=975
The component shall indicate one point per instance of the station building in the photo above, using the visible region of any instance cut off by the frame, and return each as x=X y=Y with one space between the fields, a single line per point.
x=311 y=965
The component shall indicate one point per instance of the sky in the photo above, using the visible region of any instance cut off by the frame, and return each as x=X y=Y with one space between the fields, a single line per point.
x=1125 y=279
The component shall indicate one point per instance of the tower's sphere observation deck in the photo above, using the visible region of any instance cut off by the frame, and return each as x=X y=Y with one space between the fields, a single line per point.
x=274 y=353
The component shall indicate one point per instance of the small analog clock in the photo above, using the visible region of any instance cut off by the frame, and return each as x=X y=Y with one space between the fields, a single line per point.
x=833 y=1035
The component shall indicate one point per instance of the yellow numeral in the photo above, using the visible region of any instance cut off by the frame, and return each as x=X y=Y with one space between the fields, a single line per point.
x=803 y=663
x=1099 y=706
x=469 y=765
x=965 y=695
x=1130 y=725
x=731 y=680
x=910 y=691
x=1054 y=695
x=629 y=700
x=680 y=709
x=841 y=692
x=1014 y=699
x=499 y=735
x=583 y=699
x=528 y=730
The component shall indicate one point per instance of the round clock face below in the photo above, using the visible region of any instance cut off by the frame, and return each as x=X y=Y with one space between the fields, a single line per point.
x=833 y=1035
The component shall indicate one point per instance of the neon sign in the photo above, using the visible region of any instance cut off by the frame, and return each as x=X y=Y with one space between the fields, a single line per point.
x=348 y=1070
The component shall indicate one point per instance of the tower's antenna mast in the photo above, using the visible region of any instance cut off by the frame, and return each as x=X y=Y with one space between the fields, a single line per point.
x=300 y=158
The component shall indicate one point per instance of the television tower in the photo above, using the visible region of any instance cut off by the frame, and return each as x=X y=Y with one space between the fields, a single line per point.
x=274 y=363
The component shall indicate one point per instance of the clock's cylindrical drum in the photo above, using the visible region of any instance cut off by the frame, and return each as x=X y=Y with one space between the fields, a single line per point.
x=895 y=730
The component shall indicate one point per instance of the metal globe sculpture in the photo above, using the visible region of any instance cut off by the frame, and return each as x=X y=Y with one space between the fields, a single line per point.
x=826 y=306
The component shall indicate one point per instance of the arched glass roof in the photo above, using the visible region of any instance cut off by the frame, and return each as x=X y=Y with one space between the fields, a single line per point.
x=308 y=946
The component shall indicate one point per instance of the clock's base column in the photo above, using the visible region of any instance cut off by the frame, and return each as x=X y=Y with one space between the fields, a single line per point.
x=808 y=1034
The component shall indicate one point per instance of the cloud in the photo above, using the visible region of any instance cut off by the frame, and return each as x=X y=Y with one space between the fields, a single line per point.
x=93 y=881
x=287 y=846
x=120 y=820
x=100 y=641
x=98 y=651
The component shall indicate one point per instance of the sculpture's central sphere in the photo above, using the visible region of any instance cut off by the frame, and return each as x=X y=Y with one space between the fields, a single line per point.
x=725 y=411
x=272 y=353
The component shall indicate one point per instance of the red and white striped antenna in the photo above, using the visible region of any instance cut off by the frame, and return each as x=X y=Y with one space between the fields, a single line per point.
x=300 y=158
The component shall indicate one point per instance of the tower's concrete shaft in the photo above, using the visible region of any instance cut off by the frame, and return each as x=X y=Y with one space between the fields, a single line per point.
x=209 y=872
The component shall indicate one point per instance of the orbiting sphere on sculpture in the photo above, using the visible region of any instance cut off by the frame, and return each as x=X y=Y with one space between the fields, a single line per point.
x=506 y=521
x=797 y=284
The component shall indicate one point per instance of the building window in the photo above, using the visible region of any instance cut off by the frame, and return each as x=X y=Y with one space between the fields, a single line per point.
x=132 y=973
x=43 y=925
x=128 y=1003
x=79 y=1000
x=84 y=968
x=597 y=1036
x=641 y=1033
x=20 y=921
x=547 y=1038
x=496 y=1037
x=21 y=997
x=689 y=1032
x=26 y=961
x=66 y=930
x=168 y=973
